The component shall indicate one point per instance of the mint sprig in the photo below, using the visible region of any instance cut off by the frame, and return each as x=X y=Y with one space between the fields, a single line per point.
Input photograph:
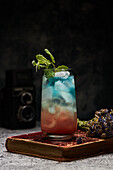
x=48 y=65
x=48 y=52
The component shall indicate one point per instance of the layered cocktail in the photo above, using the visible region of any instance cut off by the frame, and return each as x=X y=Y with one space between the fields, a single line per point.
x=58 y=113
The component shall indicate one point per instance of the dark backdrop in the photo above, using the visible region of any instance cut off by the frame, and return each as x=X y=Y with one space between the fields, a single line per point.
x=78 y=33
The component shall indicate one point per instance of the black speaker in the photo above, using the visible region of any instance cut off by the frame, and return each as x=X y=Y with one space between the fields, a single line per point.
x=18 y=103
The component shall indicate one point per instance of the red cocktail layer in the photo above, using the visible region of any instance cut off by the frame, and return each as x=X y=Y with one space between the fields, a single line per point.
x=61 y=123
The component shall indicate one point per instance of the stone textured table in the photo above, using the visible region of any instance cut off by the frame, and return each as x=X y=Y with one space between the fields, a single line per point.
x=12 y=161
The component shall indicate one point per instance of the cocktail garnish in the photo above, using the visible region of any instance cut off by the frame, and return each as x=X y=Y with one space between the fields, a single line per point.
x=48 y=65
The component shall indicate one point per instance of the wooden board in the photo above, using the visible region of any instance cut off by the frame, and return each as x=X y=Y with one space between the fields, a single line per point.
x=36 y=144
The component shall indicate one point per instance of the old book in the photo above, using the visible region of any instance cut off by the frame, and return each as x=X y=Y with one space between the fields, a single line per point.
x=37 y=144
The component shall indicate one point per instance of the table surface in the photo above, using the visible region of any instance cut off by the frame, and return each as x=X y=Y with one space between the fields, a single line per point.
x=13 y=161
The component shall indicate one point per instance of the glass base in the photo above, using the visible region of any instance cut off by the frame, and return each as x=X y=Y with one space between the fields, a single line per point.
x=59 y=137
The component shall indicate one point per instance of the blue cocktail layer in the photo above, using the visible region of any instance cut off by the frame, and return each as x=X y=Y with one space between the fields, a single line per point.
x=59 y=91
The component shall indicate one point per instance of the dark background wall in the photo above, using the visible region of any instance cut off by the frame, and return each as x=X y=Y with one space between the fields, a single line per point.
x=78 y=33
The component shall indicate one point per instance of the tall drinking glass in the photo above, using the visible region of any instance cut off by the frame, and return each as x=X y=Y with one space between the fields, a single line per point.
x=58 y=106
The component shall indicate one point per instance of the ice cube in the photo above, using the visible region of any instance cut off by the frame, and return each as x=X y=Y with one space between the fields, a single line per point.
x=69 y=82
x=47 y=93
x=46 y=82
x=58 y=100
x=62 y=74
x=68 y=98
x=60 y=86
x=51 y=109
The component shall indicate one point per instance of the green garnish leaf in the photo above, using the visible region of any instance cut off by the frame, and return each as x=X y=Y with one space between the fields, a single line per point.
x=34 y=63
x=49 y=66
x=62 y=67
x=42 y=66
x=49 y=73
x=48 y=52
x=42 y=60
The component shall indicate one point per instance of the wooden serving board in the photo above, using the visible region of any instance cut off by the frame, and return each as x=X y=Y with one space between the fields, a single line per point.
x=37 y=144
